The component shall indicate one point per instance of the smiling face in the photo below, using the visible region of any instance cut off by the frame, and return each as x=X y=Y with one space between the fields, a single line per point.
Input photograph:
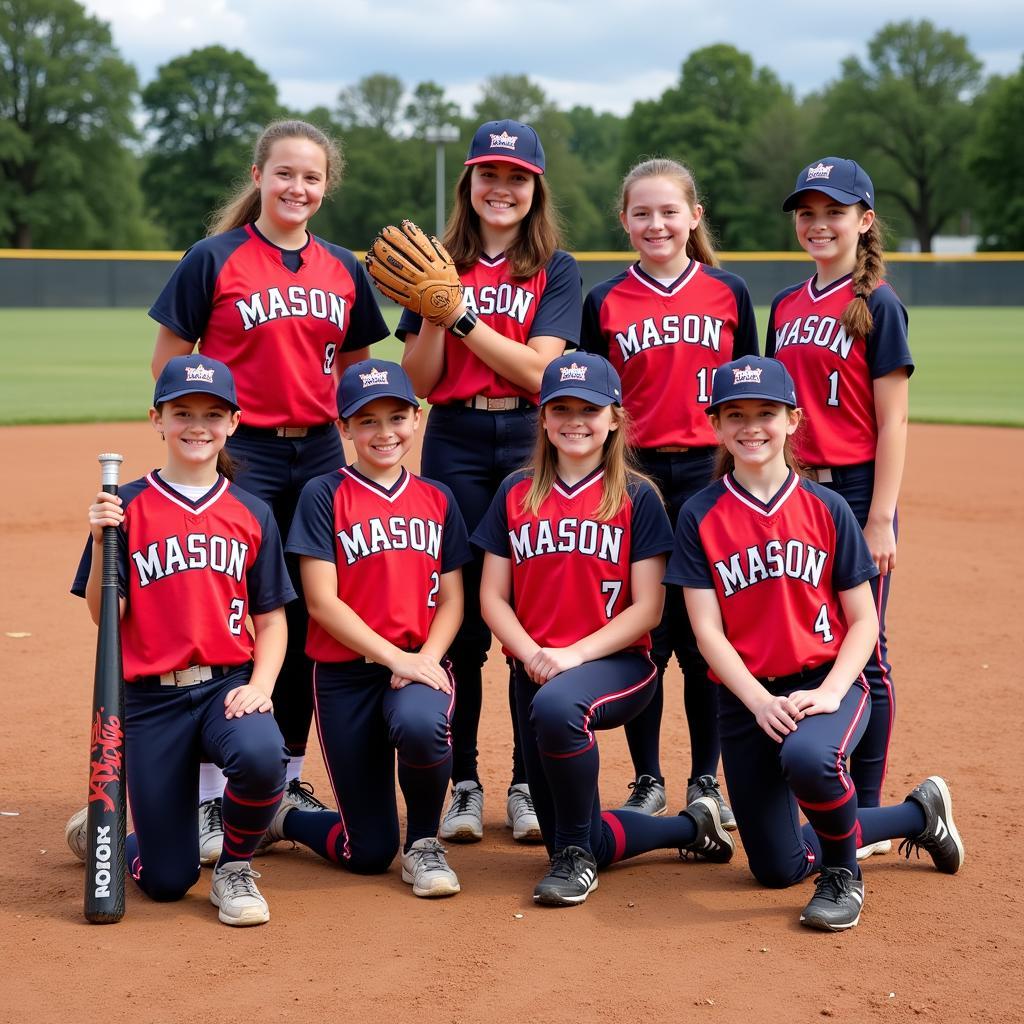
x=291 y=184
x=501 y=195
x=382 y=433
x=754 y=430
x=658 y=220
x=829 y=230
x=578 y=430
x=195 y=428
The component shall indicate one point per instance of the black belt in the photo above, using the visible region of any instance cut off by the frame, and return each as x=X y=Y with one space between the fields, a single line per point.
x=285 y=432
x=696 y=452
x=776 y=684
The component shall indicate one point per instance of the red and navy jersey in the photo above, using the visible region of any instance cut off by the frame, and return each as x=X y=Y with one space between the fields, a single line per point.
x=570 y=570
x=277 y=318
x=545 y=305
x=191 y=571
x=667 y=341
x=777 y=569
x=390 y=546
x=834 y=373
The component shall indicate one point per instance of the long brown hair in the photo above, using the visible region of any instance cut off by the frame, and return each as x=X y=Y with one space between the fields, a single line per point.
x=620 y=468
x=700 y=246
x=868 y=272
x=540 y=232
x=725 y=461
x=243 y=207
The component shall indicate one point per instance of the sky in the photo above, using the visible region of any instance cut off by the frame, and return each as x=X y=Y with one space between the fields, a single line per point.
x=597 y=53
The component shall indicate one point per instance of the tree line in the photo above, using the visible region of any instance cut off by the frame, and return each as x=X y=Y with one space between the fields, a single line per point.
x=90 y=160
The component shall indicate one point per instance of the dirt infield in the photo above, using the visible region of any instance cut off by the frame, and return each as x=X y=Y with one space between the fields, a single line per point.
x=661 y=940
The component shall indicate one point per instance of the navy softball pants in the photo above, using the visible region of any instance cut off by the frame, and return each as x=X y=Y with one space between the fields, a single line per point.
x=472 y=451
x=679 y=475
x=362 y=724
x=169 y=730
x=276 y=469
x=868 y=765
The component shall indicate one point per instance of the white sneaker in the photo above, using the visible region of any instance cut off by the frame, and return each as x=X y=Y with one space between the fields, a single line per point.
x=211 y=831
x=882 y=846
x=463 y=822
x=297 y=795
x=520 y=815
x=425 y=868
x=234 y=891
x=74 y=833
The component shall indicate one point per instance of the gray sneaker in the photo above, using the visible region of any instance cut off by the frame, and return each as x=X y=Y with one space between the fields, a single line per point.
x=211 y=831
x=520 y=815
x=648 y=796
x=74 y=833
x=835 y=905
x=424 y=868
x=234 y=892
x=707 y=785
x=463 y=822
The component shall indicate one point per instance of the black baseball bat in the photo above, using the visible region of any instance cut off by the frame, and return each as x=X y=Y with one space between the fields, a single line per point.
x=108 y=797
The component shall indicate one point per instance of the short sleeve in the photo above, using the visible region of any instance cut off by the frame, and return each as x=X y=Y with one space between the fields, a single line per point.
x=592 y=338
x=650 y=527
x=888 y=347
x=492 y=533
x=688 y=564
x=185 y=303
x=561 y=305
x=312 y=529
x=268 y=582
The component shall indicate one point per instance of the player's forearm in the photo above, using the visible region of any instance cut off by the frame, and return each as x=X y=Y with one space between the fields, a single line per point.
x=728 y=666
x=270 y=640
x=447 y=620
x=517 y=363
x=423 y=358
x=348 y=628
x=890 y=456
x=501 y=619
x=624 y=629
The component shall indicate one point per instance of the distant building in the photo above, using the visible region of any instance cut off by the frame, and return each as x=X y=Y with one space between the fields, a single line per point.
x=949 y=245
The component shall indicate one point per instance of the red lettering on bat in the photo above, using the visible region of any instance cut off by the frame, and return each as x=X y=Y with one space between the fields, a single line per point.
x=106 y=759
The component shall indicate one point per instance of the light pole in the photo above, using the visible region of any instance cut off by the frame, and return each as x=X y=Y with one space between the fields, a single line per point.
x=440 y=135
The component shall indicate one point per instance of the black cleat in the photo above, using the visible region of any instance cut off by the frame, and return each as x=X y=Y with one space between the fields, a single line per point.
x=940 y=838
x=713 y=843
x=835 y=905
x=570 y=879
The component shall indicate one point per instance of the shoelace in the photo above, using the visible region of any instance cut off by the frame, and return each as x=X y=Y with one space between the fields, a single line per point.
x=431 y=856
x=302 y=793
x=526 y=803
x=460 y=801
x=563 y=865
x=832 y=885
x=708 y=786
x=909 y=846
x=642 y=789
x=213 y=816
x=241 y=882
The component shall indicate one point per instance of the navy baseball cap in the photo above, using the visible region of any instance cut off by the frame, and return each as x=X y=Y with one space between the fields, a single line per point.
x=840 y=179
x=752 y=377
x=510 y=142
x=195 y=374
x=581 y=375
x=363 y=382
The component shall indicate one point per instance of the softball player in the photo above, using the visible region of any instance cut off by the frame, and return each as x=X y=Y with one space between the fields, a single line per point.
x=482 y=375
x=286 y=311
x=198 y=685
x=580 y=517
x=777 y=585
x=380 y=553
x=667 y=323
x=843 y=337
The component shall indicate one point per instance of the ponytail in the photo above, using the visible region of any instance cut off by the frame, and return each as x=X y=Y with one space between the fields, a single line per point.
x=868 y=272
x=226 y=465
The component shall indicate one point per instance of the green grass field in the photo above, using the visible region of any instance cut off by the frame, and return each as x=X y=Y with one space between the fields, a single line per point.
x=81 y=365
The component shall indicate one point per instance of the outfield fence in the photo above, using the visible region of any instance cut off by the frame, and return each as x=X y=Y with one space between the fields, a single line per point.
x=61 y=278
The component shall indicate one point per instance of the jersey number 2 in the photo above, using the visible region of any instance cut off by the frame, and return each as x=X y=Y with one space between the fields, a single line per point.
x=435 y=586
x=235 y=618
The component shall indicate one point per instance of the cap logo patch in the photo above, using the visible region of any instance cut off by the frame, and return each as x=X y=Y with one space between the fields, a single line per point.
x=198 y=374
x=573 y=372
x=374 y=378
x=820 y=171
x=504 y=140
x=748 y=375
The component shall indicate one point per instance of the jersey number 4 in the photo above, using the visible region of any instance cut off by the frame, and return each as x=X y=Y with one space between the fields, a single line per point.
x=822 y=625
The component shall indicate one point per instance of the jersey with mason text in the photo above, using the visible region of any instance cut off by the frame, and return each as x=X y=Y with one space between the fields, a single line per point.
x=776 y=568
x=667 y=342
x=834 y=372
x=277 y=318
x=191 y=571
x=547 y=304
x=390 y=548
x=570 y=570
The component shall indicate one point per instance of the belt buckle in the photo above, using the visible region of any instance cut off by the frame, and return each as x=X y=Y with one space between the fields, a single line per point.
x=823 y=474
x=191 y=676
x=675 y=449
x=495 y=404
x=292 y=431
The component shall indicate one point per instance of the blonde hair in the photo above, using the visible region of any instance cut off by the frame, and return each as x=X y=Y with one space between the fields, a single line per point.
x=700 y=245
x=620 y=467
x=243 y=207
x=540 y=232
x=868 y=272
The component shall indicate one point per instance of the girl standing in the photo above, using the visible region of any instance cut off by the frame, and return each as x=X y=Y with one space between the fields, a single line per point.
x=667 y=323
x=580 y=517
x=287 y=312
x=776 y=577
x=380 y=553
x=198 y=685
x=481 y=373
x=843 y=337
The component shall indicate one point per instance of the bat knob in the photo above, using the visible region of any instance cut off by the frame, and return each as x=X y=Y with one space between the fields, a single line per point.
x=110 y=464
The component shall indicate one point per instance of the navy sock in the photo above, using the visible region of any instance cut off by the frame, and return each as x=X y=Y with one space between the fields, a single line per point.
x=424 y=789
x=573 y=784
x=321 y=831
x=700 y=698
x=246 y=818
x=643 y=735
x=877 y=823
x=632 y=834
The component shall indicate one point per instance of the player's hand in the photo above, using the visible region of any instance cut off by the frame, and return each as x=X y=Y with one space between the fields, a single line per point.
x=244 y=700
x=819 y=701
x=881 y=541
x=549 y=661
x=104 y=511
x=419 y=668
x=778 y=717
